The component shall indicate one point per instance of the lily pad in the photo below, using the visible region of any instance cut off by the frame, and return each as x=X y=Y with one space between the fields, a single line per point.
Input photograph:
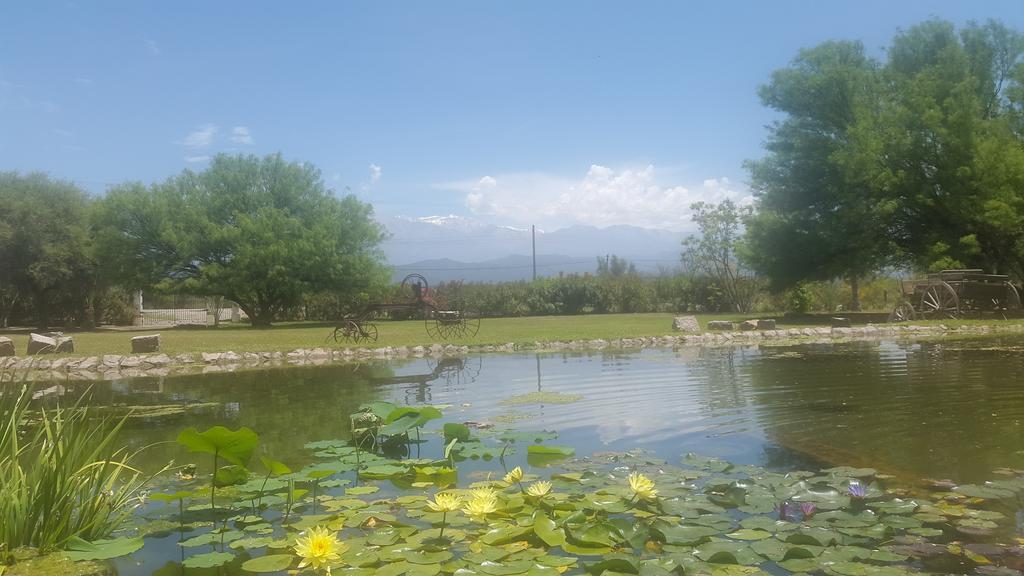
x=79 y=549
x=270 y=563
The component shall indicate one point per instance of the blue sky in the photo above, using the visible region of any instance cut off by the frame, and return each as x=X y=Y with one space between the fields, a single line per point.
x=511 y=112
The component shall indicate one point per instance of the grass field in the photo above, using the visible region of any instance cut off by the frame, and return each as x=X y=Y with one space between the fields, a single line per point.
x=289 y=336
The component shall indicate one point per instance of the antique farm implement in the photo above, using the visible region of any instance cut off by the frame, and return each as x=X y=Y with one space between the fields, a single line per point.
x=444 y=321
x=953 y=294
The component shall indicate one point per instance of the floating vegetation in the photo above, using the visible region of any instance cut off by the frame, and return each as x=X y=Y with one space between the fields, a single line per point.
x=372 y=505
x=541 y=398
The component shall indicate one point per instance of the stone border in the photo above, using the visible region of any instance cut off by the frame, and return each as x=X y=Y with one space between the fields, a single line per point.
x=112 y=366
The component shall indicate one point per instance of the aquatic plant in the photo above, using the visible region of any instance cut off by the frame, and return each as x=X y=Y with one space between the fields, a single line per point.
x=857 y=490
x=808 y=509
x=235 y=446
x=319 y=548
x=539 y=489
x=642 y=487
x=62 y=477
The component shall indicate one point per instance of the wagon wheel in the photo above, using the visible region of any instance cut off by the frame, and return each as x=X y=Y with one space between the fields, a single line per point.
x=368 y=331
x=1012 y=301
x=347 y=331
x=903 y=312
x=413 y=286
x=940 y=300
x=451 y=324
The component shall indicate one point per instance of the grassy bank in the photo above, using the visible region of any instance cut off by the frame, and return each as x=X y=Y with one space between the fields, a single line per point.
x=284 y=337
x=289 y=336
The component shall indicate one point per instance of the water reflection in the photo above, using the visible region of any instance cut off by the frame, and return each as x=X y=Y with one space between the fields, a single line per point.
x=946 y=409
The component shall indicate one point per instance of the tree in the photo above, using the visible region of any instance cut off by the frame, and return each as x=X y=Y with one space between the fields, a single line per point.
x=261 y=232
x=944 y=147
x=44 y=246
x=714 y=252
x=815 y=219
x=612 y=265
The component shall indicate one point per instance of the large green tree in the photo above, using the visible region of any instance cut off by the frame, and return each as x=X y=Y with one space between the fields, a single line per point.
x=44 y=246
x=942 y=146
x=815 y=220
x=262 y=232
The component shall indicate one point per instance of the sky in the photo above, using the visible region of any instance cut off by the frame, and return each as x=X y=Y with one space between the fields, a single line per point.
x=513 y=113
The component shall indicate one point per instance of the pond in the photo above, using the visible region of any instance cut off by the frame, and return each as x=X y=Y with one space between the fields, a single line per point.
x=950 y=409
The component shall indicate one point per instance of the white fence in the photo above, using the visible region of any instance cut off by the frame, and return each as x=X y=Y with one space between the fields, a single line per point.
x=182 y=309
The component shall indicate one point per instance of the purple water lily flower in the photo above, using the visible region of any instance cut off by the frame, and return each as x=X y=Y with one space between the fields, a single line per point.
x=858 y=490
x=784 y=511
x=808 y=509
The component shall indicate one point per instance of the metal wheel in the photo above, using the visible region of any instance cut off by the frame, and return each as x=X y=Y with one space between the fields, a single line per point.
x=413 y=286
x=1012 y=301
x=941 y=301
x=903 y=312
x=368 y=332
x=452 y=324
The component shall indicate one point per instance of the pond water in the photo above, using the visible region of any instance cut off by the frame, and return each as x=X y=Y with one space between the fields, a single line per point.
x=950 y=409
x=944 y=409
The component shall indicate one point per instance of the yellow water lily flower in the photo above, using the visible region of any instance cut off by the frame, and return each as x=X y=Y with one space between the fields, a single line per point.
x=319 y=548
x=445 y=502
x=482 y=505
x=483 y=492
x=516 y=475
x=642 y=486
x=539 y=488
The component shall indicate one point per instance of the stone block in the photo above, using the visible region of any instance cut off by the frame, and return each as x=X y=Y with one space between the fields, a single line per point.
x=145 y=344
x=719 y=325
x=687 y=324
x=65 y=345
x=748 y=325
x=6 y=346
x=40 y=344
x=766 y=324
x=842 y=323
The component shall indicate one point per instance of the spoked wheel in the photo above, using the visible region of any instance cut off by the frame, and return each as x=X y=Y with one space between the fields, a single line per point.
x=355 y=331
x=940 y=301
x=903 y=312
x=452 y=324
x=1012 y=300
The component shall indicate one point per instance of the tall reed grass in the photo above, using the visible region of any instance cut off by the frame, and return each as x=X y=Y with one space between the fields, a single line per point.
x=62 y=474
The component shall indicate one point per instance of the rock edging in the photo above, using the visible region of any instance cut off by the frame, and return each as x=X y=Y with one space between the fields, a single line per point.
x=113 y=366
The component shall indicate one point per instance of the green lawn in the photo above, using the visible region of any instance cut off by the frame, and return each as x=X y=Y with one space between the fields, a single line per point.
x=289 y=336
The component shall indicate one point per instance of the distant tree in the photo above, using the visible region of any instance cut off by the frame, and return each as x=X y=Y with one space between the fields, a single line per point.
x=612 y=265
x=44 y=245
x=816 y=220
x=714 y=252
x=261 y=232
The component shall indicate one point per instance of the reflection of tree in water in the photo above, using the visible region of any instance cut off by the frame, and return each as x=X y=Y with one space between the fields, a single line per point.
x=287 y=407
x=452 y=371
x=914 y=410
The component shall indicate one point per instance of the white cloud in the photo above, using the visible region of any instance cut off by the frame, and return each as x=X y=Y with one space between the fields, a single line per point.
x=375 y=173
x=602 y=197
x=84 y=81
x=201 y=137
x=241 y=135
x=153 y=47
x=196 y=159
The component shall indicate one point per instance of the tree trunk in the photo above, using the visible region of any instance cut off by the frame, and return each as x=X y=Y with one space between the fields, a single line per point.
x=854 y=294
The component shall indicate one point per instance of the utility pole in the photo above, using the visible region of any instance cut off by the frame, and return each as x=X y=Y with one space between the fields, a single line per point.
x=533 y=237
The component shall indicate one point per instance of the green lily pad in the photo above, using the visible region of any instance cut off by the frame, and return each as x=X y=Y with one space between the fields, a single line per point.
x=270 y=563
x=208 y=560
x=79 y=549
x=235 y=446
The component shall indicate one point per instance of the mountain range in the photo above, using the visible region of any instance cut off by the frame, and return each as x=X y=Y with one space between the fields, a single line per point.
x=445 y=248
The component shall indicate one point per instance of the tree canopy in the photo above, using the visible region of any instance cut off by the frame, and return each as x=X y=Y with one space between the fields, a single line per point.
x=261 y=232
x=917 y=161
x=44 y=245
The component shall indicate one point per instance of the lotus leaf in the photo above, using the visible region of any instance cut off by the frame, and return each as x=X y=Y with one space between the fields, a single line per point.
x=208 y=560
x=270 y=563
x=235 y=446
x=79 y=549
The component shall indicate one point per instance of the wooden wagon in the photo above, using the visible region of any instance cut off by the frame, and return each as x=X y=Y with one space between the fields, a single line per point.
x=953 y=294
x=442 y=320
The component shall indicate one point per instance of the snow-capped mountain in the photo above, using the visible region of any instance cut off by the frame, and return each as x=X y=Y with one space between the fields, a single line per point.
x=459 y=244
